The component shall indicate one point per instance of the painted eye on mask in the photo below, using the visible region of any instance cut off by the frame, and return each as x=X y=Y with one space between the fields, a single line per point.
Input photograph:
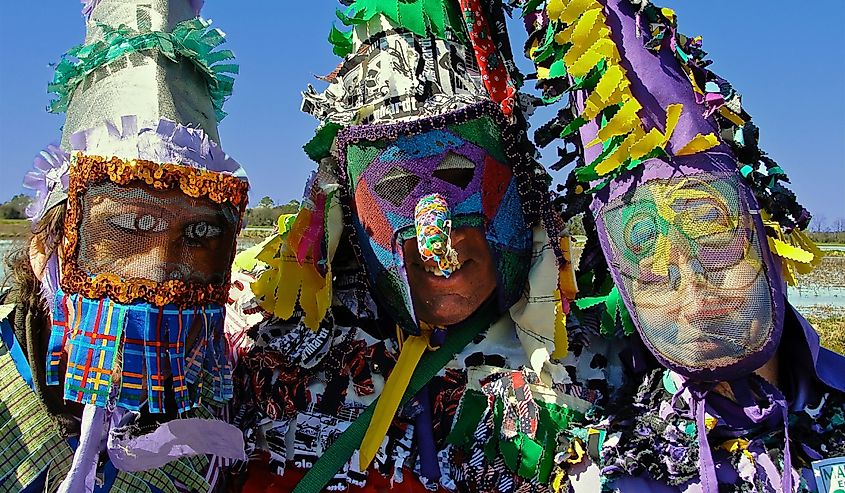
x=641 y=234
x=132 y=222
x=455 y=169
x=396 y=185
x=201 y=231
x=708 y=221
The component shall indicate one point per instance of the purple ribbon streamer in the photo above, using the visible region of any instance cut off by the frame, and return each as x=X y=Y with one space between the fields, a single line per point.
x=172 y=440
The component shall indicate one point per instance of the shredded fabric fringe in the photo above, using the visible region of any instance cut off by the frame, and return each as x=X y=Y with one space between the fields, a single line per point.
x=192 y=39
x=421 y=17
x=797 y=252
x=298 y=258
x=579 y=46
x=139 y=342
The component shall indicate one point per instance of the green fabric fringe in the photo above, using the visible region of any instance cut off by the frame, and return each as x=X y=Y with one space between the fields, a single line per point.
x=530 y=458
x=421 y=17
x=614 y=314
x=191 y=39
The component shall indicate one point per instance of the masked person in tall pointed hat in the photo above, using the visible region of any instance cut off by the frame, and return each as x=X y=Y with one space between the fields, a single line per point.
x=116 y=349
x=700 y=238
x=407 y=327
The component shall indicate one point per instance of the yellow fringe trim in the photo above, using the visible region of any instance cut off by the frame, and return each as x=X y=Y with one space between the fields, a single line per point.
x=585 y=29
x=286 y=281
x=797 y=252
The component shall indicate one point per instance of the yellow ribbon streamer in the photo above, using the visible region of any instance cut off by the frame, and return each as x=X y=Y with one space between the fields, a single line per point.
x=412 y=350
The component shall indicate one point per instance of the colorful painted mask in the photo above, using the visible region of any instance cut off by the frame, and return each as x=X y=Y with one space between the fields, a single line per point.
x=689 y=254
x=460 y=157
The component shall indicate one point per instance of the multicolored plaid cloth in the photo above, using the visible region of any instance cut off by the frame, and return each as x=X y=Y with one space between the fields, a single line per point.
x=32 y=452
x=151 y=341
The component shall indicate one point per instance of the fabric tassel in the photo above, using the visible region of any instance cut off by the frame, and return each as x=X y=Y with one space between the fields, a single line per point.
x=94 y=328
x=82 y=473
x=709 y=481
x=178 y=324
x=58 y=336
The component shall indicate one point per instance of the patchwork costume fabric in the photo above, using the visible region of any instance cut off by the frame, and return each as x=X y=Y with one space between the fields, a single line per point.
x=342 y=385
x=152 y=210
x=683 y=207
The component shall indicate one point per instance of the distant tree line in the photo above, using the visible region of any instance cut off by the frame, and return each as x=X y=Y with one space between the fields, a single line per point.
x=265 y=214
x=823 y=230
x=14 y=208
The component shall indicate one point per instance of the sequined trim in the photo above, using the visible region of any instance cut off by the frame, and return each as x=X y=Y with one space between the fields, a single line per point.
x=89 y=170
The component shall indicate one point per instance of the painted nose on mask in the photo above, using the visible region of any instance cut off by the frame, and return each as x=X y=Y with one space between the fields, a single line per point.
x=433 y=223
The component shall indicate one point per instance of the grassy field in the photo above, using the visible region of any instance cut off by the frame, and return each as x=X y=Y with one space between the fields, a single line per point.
x=829 y=322
x=14 y=228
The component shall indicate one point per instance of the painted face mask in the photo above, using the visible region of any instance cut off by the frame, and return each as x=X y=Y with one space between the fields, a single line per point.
x=678 y=224
x=688 y=252
x=393 y=169
x=145 y=269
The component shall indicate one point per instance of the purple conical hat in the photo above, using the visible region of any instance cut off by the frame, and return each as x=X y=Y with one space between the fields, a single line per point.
x=677 y=180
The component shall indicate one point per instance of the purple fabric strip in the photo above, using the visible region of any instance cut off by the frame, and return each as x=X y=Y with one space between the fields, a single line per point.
x=424 y=430
x=82 y=472
x=709 y=482
x=172 y=440
x=657 y=81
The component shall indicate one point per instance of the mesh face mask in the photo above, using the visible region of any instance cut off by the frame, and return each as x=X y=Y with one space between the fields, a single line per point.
x=145 y=268
x=688 y=252
x=136 y=230
x=139 y=232
x=459 y=156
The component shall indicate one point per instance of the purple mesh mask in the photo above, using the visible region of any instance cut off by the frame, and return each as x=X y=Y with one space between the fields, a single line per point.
x=687 y=249
x=683 y=236
x=459 y=156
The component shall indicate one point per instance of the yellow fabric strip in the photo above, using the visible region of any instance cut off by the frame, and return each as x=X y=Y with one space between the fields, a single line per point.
x=673 y=116
x=602 y=49
x=554 y=8
x=730 y=115
x=698 y=143
x=646 y=144
x=790 y=252
x=388 y=402
x=596 y=103
x=623 y=122
x=561 y=337
x=575 y=8
x=589 y=25
x=619 y=155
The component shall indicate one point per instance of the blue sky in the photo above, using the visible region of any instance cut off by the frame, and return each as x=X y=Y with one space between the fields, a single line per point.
x=787 y=60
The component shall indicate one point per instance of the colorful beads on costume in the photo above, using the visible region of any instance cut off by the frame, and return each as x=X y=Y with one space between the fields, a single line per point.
x=433 y=222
